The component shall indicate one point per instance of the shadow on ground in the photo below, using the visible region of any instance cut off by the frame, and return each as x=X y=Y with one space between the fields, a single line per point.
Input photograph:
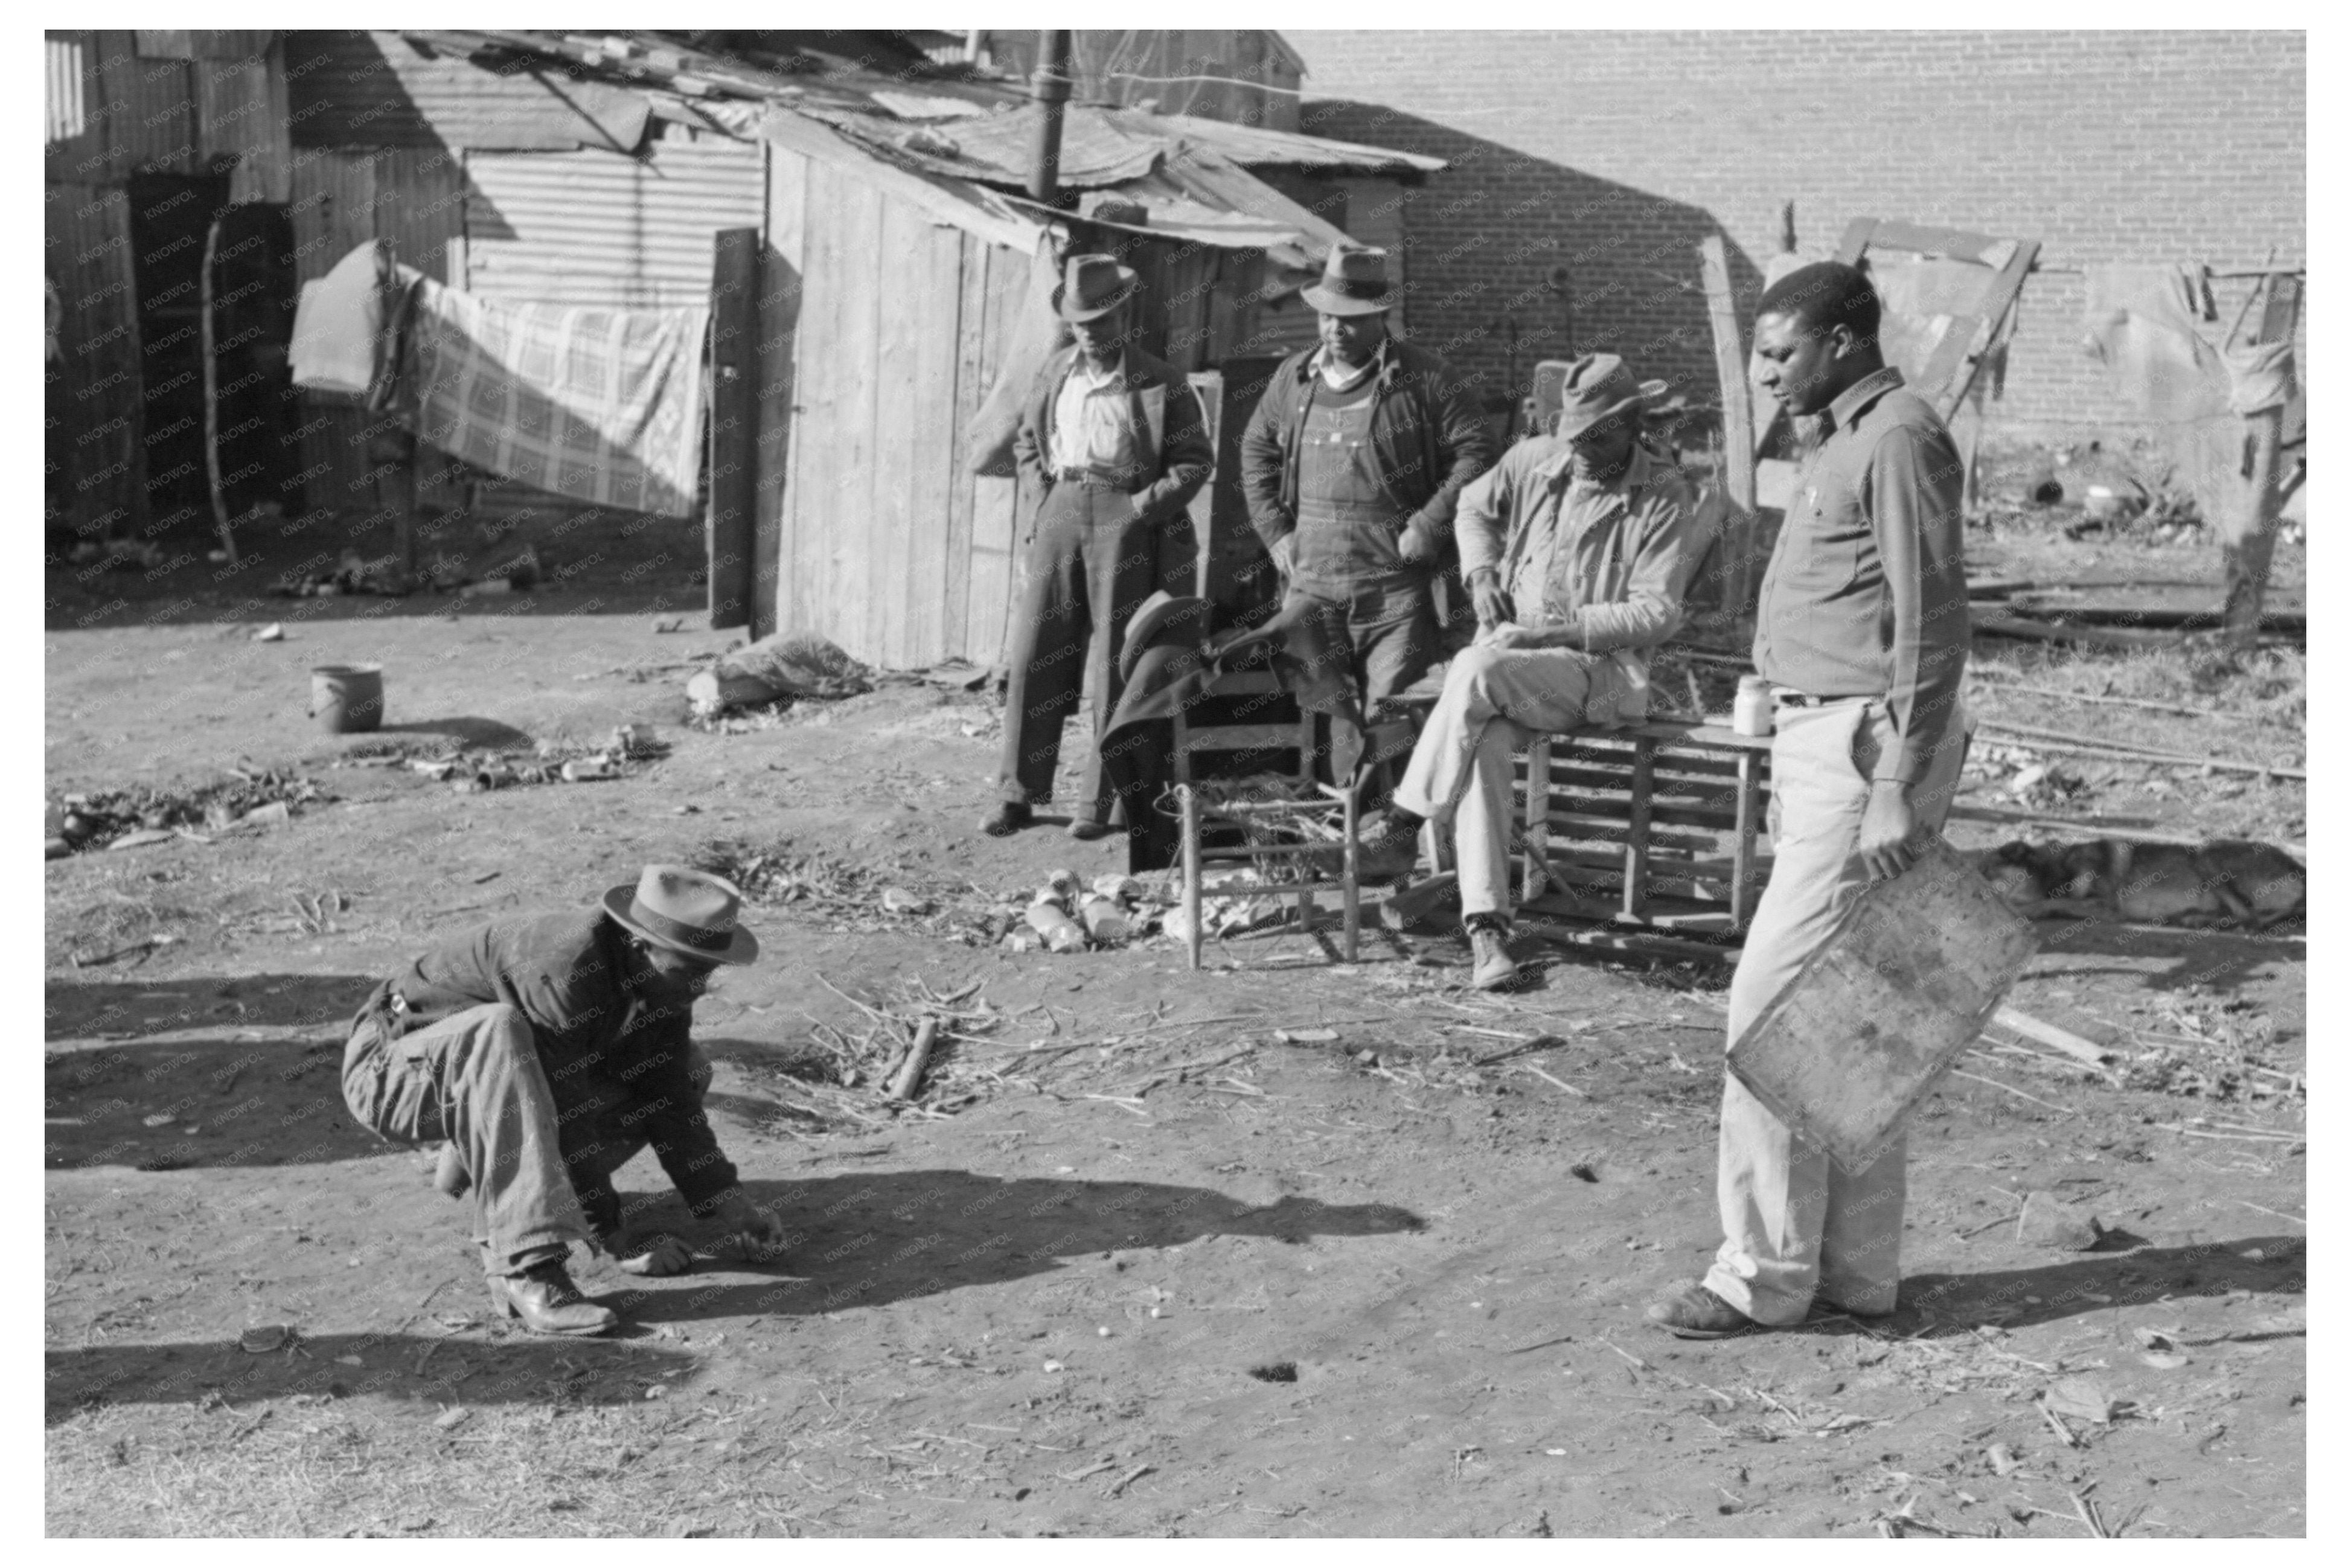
x=1949 y=1306
x=869 y=1239
x=429 y=1368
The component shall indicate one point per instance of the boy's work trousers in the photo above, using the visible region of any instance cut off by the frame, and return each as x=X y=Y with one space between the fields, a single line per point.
x=1793 y=1224
x=475 y=1079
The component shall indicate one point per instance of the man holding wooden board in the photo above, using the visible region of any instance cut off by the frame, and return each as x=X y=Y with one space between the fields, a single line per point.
x=1862 y=630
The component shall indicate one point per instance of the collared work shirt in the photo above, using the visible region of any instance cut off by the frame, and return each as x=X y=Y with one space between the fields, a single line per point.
x=1866 y=593
x=605 y=1048
x=1093 y=420
x=1610 y=563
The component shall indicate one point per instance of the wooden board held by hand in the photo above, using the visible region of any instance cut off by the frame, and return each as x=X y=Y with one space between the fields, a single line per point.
x=1903 y=985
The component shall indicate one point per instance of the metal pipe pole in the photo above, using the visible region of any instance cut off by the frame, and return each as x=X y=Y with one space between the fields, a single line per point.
x=1049 y=85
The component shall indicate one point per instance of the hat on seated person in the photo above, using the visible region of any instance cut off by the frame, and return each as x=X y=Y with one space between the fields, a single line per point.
x=1599 y=387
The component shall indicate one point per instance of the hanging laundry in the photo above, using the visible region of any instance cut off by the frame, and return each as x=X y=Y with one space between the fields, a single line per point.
x=604 y=406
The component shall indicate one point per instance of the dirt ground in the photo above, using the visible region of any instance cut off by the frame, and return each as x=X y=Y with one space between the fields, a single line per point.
x=1158 y=1272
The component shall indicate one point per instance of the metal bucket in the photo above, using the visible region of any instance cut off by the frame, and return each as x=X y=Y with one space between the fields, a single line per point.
x=346 y=699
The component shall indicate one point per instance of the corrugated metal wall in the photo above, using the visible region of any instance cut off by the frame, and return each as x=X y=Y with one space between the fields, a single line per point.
x=597 y=228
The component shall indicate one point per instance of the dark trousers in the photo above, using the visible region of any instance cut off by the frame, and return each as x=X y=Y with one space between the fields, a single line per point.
x=1090 y=567
x=1392 y=640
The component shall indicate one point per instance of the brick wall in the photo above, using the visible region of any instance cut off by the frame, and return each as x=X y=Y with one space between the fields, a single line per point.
x=1612 y=153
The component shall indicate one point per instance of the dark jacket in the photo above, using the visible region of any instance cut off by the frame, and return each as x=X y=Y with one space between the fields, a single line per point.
x=1428 y=433
x=608 y=1052
x=1170 y=430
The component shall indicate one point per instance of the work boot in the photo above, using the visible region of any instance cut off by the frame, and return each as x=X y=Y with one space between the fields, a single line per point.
x=1491 y=967
x=547 y=1302
x=1006 y=820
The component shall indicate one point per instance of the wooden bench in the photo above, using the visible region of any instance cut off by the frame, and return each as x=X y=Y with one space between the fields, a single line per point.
x=1649 y=838
x=1657 y=826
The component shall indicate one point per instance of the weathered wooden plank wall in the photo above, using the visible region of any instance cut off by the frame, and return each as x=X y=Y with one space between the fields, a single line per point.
x=101 y=450
x=781 y=293
x=999 y=508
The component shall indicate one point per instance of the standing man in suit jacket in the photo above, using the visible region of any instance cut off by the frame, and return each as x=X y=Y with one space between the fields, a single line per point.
x=1353 y=464
x=1115 y=445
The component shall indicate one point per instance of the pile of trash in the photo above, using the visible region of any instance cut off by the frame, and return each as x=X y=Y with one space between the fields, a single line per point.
x=552 y=762
x=1065 y=916
x=1070 y=917
x=129 y=819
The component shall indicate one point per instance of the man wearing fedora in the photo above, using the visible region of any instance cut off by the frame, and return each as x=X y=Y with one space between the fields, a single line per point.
x=1113 y=444
x=1577 y=548
x=1353 y=464
x=548 y=1051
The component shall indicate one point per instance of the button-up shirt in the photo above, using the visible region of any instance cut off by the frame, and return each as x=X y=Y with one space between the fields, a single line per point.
x=1610 y=563
x=1093 y=419
x=605 y=1048
x=1866 y=591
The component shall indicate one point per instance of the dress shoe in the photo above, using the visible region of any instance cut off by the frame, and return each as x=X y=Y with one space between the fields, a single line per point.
x=1696 y=1313
x=547 y=1302
x=1085 y=829
x=1491 y=967
x=1006 y=820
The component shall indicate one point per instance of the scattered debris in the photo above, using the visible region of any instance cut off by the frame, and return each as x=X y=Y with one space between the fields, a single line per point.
x=2044 y=1222
x=263 y=1340
x=455 y=1415
x=273 y=632
x=132 y=818
x=2083 y=1399
x=1275 y=1372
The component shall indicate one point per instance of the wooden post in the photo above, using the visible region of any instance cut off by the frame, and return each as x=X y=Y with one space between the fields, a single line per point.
x=208 y=330
x=1636 y=901
x=1742 y=848
x=2247 y=542
x=729 y=531
x=1189 y=804
x=1536 y=833
x=1730 y=369
x=1737 y=473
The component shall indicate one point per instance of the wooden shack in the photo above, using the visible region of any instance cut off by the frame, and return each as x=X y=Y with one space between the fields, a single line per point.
x=860 y=233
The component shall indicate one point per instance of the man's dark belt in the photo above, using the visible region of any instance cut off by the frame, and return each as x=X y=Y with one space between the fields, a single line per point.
x=1093 y=479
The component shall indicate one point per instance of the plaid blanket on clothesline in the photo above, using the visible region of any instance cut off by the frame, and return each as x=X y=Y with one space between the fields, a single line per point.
x=604 y=406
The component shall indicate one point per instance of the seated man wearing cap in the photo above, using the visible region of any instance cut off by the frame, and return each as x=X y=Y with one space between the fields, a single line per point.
x=548 y=1049
x=1113 y=445
x=1578 y=549
x=1351 y=466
